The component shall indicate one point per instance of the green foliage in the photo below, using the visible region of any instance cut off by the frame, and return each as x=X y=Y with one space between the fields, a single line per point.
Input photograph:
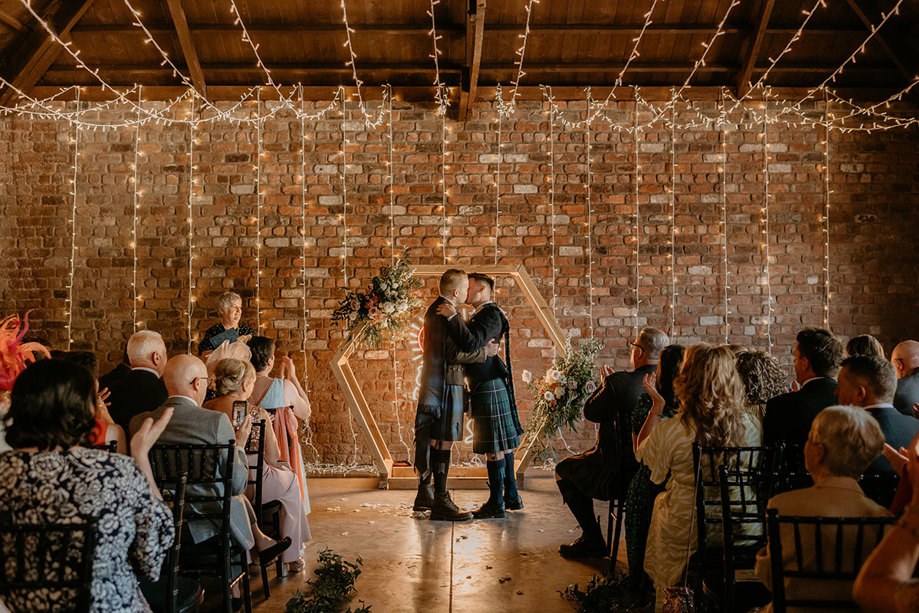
x=605 y=593
x=334 y=584
x=560 y=394
x=385 y=306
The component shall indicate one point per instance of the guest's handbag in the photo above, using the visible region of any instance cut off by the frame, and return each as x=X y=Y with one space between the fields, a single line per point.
x=681 y=598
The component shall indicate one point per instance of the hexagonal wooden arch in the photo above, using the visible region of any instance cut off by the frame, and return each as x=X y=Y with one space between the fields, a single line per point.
x=403 y=477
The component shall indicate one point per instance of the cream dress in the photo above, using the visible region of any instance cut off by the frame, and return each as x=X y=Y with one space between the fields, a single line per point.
x=668 y=451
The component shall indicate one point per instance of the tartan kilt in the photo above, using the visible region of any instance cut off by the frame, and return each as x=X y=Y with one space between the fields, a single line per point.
x=494 y=426
x=449 y=426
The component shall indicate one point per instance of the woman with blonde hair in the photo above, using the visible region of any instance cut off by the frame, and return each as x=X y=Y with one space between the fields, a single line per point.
x=235 y=382
x=711 y=413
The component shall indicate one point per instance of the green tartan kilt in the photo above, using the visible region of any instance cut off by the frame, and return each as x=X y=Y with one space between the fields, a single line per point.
x=493 y=424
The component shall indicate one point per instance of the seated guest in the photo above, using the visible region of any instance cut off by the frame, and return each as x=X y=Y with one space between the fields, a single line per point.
x=230 y=309
x=887 y=583
x=235 y=380
x=763 y=379
x=869 y=382
x=843 y=441
x=15 y=354
x=51 y=477
x=642 y=492
x=864 y=345
x=106 y=431
x=788 y=417
x=905 y=358
x=286 y=397
x=592 y=474
x=185 y=377
x=141 y=390
x=123 y=368
x=711 y=412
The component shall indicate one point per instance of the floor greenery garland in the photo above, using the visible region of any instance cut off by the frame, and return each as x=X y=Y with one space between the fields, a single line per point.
x=332 y=587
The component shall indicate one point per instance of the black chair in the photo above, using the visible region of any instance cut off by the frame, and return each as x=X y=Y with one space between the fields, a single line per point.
x=110 y=447
x=825 y=538
x=268 y=513
x=790 y=472
x=741 y=462
x=47 y=558
x=627 y=466
x=216 y=556
x=743 y=505
x=880 y=487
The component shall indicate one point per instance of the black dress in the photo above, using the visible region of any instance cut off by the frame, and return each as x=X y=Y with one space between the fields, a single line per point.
x=134 y=529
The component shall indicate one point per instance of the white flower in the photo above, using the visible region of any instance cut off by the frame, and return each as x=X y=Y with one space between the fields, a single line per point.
x=590 y=387
x=548 y=395
x=526 y=376
x=552 y=376
x=384 y=286
x=559 y=391
x=354 y=315
x=562 y=379
x=572 y=384
x=387 y=307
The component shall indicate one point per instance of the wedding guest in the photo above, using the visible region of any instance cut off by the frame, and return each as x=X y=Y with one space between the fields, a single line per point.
x=886 y=582
x=141 y=390
x=842 y=443
x=230 y=309
x=286 y=398
x=105 y=431
x=123 y=368
x=788 y=417
x=15 y=354
x=869 y=382
x=763 y=380
x=905 y=358
x=51 y=416
x=864 y=345
x=711 y=413
x=235 y=381
x=642 y=491
x=594 y=473
x=186 y=378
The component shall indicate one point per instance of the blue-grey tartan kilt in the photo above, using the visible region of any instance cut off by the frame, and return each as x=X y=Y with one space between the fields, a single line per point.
x=448 y=426
x=493 y=424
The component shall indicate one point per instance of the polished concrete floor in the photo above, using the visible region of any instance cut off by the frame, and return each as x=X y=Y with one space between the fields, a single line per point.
x=415 y=565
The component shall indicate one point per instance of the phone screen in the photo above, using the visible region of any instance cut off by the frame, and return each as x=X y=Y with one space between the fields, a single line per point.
x=239 y=412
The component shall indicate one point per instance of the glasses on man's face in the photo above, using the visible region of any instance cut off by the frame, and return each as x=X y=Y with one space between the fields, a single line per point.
x=640 y=348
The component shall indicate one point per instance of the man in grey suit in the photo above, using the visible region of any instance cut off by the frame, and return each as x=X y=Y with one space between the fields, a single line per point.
x=905 y=359
x=186 y=380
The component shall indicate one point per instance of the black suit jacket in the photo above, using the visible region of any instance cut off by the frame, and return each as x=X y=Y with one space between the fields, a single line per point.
x=907 y=393
x=898 y=431
x=113 y=375
x=788 y=417
x=137 y=392
x=491 y=320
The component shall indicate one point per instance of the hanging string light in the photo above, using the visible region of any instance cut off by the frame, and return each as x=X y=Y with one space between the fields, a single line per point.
x=444 y=231
x=258 y=215
x=724 y=220
x=672 y=218
x=552 y=210
x=589 y=224
x=344 y=191
x=191 y=224
x=73 y=228
x=765 y=243
x=498 y=173
x=636 y=227
x=304 y=231
x=134 y=209
x=826 y=215
x=521 y=52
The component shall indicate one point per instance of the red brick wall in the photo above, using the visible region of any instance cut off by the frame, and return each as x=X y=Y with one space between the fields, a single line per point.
x=873 y=260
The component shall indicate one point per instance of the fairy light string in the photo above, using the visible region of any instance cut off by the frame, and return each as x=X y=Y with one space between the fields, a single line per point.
x=765 y=211
x=498 y=173
x=636 y=227
x=258 y=215
x=724 y=219
x=191 y=224
x=134 y=211
x=344 y=190
x=444 y=230
x=589 y=223
x=826 y=215
x=73 y=228
x=521 y=53
x=671 y=257
x=304 y=231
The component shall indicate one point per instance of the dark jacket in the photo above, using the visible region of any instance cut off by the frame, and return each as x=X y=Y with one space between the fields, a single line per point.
x=137 y=392
x=491 y=319
x=907 y=393
x=106 y=380
x=898 y=431
x=788 y=417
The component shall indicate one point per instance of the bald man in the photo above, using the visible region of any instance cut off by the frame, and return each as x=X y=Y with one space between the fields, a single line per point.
x=186 y=379
x=905 y=359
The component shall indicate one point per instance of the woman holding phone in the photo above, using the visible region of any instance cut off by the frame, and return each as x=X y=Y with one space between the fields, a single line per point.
x=235 y=382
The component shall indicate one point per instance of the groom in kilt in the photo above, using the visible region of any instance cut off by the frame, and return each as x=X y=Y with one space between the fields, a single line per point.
x=497 y=428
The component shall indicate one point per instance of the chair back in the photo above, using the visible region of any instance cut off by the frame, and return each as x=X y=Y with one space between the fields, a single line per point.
x=255 y=451
x=44 y=559
x=171 y=565
x=824 y=557
x=743 y=516
x=111 y=447
x=625 y=455
x=790 y=472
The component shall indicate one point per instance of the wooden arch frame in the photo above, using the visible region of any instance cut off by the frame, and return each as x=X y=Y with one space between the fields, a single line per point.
x=402 y=477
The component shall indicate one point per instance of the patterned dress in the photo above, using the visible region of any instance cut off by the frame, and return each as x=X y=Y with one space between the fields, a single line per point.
x=668 y=450
x=134 y=529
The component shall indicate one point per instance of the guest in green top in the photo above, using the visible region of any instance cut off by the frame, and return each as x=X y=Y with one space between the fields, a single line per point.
x=230 y=309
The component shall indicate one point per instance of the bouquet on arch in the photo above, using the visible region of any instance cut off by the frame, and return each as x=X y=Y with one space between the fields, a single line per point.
x=559 y=395
x=384 y=307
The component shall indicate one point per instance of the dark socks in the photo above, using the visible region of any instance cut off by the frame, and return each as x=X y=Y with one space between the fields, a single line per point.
x=440 y=462
x=510 y=478
x=496 y=481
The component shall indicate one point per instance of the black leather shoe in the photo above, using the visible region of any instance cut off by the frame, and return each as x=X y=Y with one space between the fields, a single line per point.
x=267 y=556
x=424 y=500
x=489 y=510
x=513 y=504
x=585 y=547
x=444 y=509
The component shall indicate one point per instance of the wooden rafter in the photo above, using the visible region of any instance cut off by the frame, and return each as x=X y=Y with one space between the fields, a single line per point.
x=187 y=44
x=853 y=4
x=755 y=43
x=11 y=21
x=39 y=50
x=475 y=34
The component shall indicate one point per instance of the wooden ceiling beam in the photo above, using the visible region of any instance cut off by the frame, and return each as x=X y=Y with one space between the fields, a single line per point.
x=38 y=51
x=154 y=68
x=475 y=34
x=187 y=45
x=11 y=21
x=853 y=4
x=753 y=46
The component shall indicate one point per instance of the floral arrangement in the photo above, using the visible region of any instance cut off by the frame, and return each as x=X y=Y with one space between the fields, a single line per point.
x=383 y=307
x=560 y=394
